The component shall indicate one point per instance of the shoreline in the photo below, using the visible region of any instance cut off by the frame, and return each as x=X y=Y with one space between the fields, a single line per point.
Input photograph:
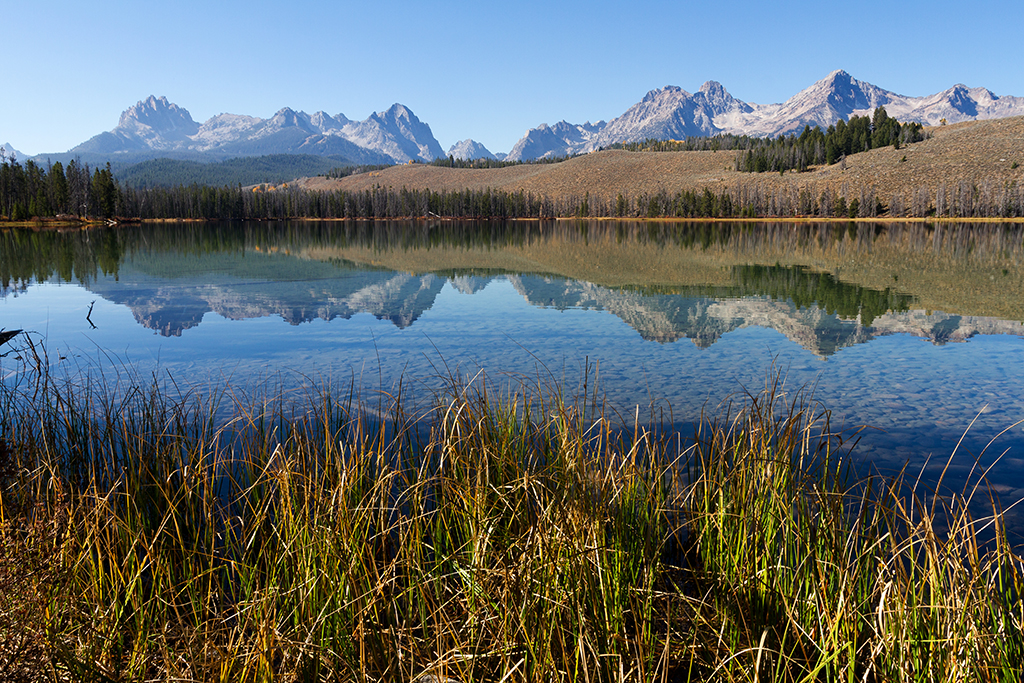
x=84 y=224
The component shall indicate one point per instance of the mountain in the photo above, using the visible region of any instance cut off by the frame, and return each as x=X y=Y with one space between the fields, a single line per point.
x=9 y=151
x=396 y=133
x=561 y=139
x=157 y=128
x=469 y=150
x=673 y=113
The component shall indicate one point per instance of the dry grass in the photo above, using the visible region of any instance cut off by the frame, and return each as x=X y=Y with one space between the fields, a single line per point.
x=976 y=151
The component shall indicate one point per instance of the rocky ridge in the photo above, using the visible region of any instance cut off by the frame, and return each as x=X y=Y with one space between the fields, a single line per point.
x=673 y=113
x=155 y=127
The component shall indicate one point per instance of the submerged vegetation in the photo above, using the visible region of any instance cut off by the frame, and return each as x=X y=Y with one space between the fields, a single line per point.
x=515 y=534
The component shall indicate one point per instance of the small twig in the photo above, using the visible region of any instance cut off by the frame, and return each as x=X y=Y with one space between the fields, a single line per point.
x=88 y=316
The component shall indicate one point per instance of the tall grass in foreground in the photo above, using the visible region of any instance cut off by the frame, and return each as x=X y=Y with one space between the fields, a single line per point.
x=493 y=539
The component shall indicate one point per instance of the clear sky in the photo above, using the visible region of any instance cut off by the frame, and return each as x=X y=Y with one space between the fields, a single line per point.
x=482 y=69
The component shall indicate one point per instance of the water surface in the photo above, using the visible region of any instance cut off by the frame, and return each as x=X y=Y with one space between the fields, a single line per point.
x=912 y=329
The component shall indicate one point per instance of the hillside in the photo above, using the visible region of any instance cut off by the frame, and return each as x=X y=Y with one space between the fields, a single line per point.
x=275 y=168
x=976 y=152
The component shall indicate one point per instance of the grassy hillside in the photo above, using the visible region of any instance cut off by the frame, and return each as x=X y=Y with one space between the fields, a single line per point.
x=986 y=155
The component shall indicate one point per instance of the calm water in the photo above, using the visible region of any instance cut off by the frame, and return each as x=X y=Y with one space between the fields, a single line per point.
x=914 y=330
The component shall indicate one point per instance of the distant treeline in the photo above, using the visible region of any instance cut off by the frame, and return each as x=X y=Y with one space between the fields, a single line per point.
x=346 y=171
x=813 y=147
x=452 y=162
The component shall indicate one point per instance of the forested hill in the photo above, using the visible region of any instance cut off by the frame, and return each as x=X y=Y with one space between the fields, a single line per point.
x=271 y=168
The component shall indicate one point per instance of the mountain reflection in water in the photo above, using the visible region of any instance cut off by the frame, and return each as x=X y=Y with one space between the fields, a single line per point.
x=705 y=281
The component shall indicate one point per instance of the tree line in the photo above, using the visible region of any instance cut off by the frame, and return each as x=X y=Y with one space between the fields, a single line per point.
x=815 y=148
x=31 y=190
x=812 y=147
x=451 y=162
x=751 y=199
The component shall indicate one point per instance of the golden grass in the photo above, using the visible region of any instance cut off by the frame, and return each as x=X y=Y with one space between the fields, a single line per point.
x=977 y=152
x=509 y=536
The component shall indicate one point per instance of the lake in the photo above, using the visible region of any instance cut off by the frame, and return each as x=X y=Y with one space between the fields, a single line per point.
x=914 y=330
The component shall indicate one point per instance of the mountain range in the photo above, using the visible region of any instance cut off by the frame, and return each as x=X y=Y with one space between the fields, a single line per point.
x=155 y=127
x=673 y=113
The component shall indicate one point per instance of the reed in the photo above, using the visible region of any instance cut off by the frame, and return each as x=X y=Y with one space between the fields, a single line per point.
x=502 y=535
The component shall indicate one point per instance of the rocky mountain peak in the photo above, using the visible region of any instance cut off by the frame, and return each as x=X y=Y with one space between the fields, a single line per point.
x=324 y=122
x=714 y=89
x=9 y=151
x=668 y=91
x=160 y=116
x=398 y=133
x=959 y=97
x=718 y=99
x=289 y=118
x=469 y=150
x=846 y=91
x=398 y=112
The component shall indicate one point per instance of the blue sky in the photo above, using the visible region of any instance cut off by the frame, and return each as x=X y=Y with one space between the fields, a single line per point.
x=487 y=70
